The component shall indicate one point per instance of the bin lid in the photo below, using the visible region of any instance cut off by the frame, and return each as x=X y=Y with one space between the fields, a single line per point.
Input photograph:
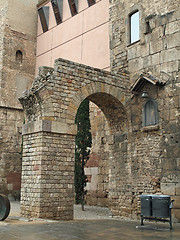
x=160 y=196
x=146 y=195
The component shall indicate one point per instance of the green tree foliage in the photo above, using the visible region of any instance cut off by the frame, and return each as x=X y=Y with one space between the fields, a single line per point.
x=82 y=150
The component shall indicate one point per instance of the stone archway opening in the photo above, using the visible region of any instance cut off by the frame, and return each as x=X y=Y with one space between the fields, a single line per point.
x=113 y=110
x=97 y=167
x=49 y=136
x=107 y=169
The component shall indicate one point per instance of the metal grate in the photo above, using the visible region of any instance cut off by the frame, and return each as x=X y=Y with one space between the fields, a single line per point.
x=57 y=6
x=44 y=17
x=91 y=2
x=73 y=4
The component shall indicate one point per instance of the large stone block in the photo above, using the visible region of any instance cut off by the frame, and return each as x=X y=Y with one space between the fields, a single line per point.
x=177 y=189
x=172 y=27
x=135 y=64
x=155 y=59
x=176 y=215
x=168 y=188
x=155 y=46
x=171 y=41
x=176 y=204
x=169 y=55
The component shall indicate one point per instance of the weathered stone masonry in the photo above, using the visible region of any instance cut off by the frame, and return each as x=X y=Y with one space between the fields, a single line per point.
x=17 y=35
x=97 y=167
x=154 y=151
x=47 y=175
x=50 y=108
x=137 y=159
x=143 y=158
x=137 y=156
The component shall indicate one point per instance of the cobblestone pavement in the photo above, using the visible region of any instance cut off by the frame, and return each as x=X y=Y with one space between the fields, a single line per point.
x=101 y=227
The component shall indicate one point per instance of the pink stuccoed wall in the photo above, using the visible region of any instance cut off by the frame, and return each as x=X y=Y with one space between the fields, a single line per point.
x=83 y=38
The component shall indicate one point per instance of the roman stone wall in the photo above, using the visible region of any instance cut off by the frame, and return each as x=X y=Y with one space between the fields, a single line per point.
x=67 y=78
x=17 y=70
x=142 y=159
x=138 y=156
x=11 y=152
x=17 y=74
x=157 y=49
x=97 y=167
x=3 y=13
x=51 y=106
x=48 y=176
x=154 y=150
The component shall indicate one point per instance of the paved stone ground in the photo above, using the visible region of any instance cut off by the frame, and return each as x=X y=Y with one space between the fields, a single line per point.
x=102 y=227
x=89 y=213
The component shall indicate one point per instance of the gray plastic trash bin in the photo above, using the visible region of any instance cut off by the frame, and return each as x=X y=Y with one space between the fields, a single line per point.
x=160 y=206
x=156 y=207
x=146 y=205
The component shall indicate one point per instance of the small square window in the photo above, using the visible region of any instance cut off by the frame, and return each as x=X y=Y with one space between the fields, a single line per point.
x=134 y=27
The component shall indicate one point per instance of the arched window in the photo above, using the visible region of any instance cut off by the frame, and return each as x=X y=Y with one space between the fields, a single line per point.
x=19 y=56
x=150 y=113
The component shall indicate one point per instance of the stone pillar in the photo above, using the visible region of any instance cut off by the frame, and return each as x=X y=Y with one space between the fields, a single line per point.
x=48 y=170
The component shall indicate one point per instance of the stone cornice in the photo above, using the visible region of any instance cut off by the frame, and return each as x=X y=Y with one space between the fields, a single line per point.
x=49 y=126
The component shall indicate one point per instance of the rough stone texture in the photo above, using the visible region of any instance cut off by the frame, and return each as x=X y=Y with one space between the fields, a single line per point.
x=52 y=102
x=17 y=33
x=48 y=176
x=10 y=149
x=97 y=168
x=140 y=158
x=16 y=76
x=154 y=153
x=158 y=50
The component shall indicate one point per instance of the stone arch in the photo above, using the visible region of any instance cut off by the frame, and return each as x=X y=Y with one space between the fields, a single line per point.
x=49 y=135
x=94 y=89
x=113 y=103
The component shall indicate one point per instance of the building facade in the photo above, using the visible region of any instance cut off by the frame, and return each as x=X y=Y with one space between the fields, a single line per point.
x=154 y=53
x=82 y=38
x=17 y=69
x=137 y=42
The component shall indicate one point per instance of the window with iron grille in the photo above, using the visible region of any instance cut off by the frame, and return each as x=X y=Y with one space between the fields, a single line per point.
x=91 y=2
x=44 y=17
x=57 y=6
x=73 y=4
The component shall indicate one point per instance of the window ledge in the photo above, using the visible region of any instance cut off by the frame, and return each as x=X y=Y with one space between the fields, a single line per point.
x=150 y=128
x=131 y=44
